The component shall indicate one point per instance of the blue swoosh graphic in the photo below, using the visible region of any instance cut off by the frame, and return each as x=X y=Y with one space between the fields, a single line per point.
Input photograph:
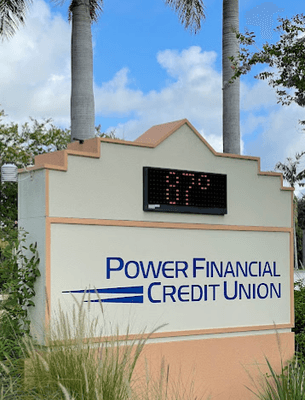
x=117 y=290
x=130 y=299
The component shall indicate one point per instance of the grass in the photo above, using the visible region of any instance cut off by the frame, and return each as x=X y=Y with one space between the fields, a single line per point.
x=289 y=384
x=71 y=366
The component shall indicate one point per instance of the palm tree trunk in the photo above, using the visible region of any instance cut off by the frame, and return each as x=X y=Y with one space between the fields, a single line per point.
x=82 y=97
x=231 y=97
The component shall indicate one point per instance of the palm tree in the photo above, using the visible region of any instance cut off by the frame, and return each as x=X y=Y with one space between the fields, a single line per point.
x=231 y=97
x=83 y=12
x=12 y=13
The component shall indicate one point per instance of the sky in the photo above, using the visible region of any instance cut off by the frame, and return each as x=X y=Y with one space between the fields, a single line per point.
x=149 y=70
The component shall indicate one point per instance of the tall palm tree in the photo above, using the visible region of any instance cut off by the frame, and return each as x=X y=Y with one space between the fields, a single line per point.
x=231 y=96
x=83 y=12
x=12 y=14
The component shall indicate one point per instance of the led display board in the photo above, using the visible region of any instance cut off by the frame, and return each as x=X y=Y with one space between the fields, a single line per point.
x=179 y=191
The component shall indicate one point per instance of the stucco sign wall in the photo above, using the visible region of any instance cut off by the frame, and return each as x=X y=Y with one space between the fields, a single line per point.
x=192 y=279
x=163 y=230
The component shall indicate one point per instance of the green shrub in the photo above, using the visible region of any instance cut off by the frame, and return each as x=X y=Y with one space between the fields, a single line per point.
x=20 y=267
x=72 y=366
x=299 y=315
x=289 y=384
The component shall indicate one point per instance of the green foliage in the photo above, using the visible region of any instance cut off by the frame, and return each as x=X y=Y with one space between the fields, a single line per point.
x=300 y=225
x=289 y=384
x=299 y=238
x=301 y=212
x=287 y=56
x=290 y=170
x=71 y=366
x=19 y=271
x=299 y=318
x=293 y=175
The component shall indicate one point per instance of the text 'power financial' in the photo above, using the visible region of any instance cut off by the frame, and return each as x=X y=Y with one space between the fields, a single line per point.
x=203 y=281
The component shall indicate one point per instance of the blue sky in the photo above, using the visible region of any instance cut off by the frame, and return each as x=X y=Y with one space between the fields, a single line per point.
x=148 y=70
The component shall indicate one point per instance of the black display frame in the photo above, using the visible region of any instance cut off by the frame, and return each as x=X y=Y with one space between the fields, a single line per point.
x=181 y=208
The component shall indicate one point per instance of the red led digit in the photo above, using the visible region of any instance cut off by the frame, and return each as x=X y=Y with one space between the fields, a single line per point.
x=194 y=181
x=201 y=183
x=173 y=191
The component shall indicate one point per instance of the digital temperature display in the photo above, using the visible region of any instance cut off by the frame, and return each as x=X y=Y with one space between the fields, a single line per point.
x=174 y=190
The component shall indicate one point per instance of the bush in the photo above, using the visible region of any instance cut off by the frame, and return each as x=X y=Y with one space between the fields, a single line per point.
x=289 y=384
x=72 y=366
x=20 y=270
x=299 y=315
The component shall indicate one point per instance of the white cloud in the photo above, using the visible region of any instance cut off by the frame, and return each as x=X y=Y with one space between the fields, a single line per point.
x=257 y=96
x=275 y=131
x=35 y=68
x=35 y=81
x=195 y=93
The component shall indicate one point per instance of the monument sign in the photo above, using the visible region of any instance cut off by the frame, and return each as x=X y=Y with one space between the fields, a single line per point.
x=164 y=230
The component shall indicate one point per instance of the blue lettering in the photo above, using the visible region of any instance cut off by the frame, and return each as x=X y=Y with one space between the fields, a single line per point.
x=182 y=269
x=277 y=293
x=229 y=270
x=274 y=269
x=199 y=295
x=262 y=285
x=226 y=291
x=149 y=292
x=214 y=291
x=243 y=289
x=108 y=268
x=243 y=271
x=205 y=292
x=219 y=271
x=250 y=265
x=165 y=269
x=267 y=269
x=170 y=293
x=152 y=268
x=136 y=272
x=195 y=267
x=180 y=293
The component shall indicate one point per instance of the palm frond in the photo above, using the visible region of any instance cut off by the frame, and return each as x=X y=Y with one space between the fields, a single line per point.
x=95 y=8
x=12 y=14
x=190 y=13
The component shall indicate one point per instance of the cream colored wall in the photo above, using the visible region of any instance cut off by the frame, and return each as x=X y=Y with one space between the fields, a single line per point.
x=112 y=187
x=32 y=218
x=31 y=195
x=79 y=252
